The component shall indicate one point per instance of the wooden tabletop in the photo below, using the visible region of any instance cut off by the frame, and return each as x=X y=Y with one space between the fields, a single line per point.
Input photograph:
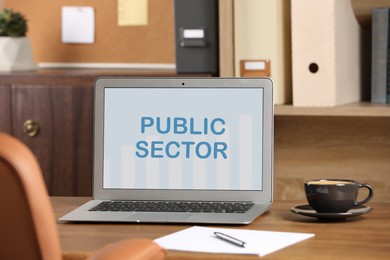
x=362 y=237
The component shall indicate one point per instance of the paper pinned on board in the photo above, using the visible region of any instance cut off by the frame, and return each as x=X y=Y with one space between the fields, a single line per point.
x=202 y=239
x=78 y=24
x=132 y=12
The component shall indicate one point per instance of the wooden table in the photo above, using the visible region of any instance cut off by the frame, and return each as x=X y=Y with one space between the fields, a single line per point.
x=362 y=237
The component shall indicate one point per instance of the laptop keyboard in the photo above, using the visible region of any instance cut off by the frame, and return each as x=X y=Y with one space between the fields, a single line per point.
x=174 y=206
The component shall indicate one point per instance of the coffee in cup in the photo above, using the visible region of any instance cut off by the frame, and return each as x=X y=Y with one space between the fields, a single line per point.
x=335 y=195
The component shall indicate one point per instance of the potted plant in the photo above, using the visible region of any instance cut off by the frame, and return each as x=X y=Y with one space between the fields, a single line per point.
x=15 y=48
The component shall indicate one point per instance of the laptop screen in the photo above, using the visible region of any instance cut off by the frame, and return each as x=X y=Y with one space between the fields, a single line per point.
x=179 y=138
x=169 y=138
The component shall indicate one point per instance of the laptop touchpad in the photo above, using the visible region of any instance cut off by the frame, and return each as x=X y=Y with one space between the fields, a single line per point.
x=158 y=217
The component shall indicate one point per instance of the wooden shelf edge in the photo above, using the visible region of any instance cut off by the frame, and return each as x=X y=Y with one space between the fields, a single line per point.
x=360 y=109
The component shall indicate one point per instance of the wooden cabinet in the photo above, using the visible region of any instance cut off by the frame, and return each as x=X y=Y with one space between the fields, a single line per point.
x=61 y=105
x=350 y=142
x=62 y=114
x=63 y=143
x=5 y=106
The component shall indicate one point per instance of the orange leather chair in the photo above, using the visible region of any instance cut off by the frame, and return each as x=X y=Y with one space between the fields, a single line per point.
x=27 y=224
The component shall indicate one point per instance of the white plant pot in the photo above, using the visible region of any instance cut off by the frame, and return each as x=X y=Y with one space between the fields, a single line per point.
x=16 y=54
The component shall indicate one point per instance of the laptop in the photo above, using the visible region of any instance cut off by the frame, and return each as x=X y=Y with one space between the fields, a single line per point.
x=181 y=150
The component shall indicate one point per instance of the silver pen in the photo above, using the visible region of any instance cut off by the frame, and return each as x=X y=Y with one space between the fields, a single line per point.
x=230 y=239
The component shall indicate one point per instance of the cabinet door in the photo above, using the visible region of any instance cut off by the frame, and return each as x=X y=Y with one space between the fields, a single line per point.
x=63 y=144
x=5 y=109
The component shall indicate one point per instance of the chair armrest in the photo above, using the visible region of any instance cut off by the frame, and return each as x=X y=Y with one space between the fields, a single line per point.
x=130 y=249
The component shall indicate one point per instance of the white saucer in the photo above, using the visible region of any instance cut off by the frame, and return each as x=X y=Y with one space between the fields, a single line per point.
x=306 y=210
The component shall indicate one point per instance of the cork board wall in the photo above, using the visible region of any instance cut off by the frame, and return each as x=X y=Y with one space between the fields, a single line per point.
x=152 y=43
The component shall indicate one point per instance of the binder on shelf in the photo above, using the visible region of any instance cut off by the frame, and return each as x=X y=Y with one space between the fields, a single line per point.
x=380 y=83
x=196 y=36
x=326 y=53
x=266 y=37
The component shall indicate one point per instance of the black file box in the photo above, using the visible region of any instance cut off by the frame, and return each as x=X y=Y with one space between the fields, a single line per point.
x=196 y=36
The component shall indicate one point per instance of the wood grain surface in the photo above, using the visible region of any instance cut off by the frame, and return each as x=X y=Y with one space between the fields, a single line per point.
x=311 y=147
x=362 y=237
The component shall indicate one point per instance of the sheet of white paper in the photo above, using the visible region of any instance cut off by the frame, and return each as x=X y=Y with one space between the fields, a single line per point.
x=78 y=24
x=202 y=239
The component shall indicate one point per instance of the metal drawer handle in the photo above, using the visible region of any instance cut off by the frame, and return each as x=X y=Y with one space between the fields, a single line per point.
x=31 y=128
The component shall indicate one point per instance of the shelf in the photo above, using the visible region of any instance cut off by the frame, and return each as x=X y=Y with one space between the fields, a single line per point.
x=361 y=109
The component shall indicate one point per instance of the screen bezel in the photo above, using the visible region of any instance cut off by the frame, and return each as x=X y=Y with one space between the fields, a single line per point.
x=264 y=195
